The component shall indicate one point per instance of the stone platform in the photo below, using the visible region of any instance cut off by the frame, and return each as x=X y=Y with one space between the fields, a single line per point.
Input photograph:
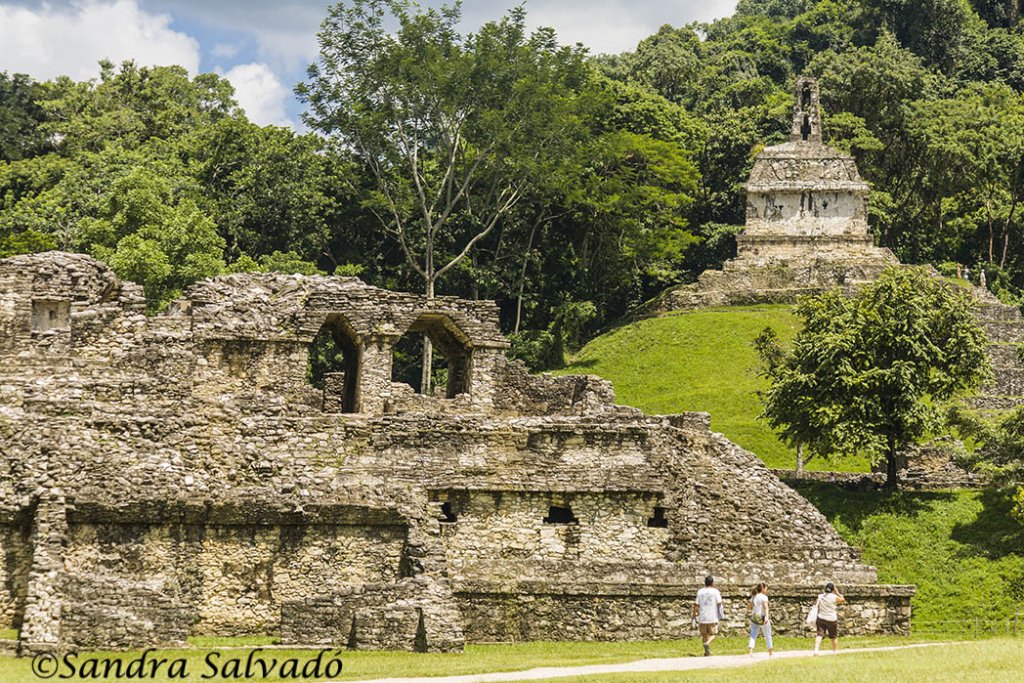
x=806 y=225
x=175 y=475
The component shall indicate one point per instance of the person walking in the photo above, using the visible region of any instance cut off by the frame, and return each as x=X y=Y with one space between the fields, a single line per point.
x=707 y=609
x=760 y=620
x=827 y=623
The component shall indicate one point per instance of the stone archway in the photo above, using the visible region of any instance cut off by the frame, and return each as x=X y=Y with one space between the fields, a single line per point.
x=453 y=353
x=334 y=359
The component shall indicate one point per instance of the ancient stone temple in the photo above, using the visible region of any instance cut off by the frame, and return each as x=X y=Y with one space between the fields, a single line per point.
x=807 y=231
x=806 y=223
x=179 y=474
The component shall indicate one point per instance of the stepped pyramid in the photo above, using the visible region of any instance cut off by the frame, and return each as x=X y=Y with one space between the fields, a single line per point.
x=806 y=224
x=807 y=230
x=1004 y=326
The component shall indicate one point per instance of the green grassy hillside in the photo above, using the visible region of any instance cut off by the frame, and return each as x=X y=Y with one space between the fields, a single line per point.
x=962 y=550
x=699 y=360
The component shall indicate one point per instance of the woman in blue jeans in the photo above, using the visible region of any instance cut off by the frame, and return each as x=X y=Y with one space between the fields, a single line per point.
x=760 y=620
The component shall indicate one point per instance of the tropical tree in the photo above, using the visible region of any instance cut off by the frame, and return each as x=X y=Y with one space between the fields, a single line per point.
x=267 y=188
x=130 y=105
x=972 y=145
x=20 y=116
x=869 y=373
x=449 y=128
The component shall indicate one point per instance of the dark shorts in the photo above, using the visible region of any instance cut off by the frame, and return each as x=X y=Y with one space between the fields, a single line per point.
x=827 y=628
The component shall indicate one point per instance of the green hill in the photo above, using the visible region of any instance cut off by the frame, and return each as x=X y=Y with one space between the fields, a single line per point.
x=699 y=361
x=962 y=549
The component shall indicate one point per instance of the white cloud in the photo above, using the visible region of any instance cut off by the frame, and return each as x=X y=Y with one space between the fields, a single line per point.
x=262 y=95
x=224 y=50
x=607 y=28
x=50 y=41
x=284 y=30
x=614 y=26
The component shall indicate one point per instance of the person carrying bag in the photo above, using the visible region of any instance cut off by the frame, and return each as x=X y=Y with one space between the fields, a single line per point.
x=757 y=610
x=825 y=616
x=812 y=614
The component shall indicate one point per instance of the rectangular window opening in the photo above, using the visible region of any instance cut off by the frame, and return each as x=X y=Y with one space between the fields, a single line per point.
x=51 y=315
x=448 y=514
x=658 y=520
x=560 y=515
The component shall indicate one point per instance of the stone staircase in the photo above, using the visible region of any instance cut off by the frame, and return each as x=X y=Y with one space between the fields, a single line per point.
x=743 y=282
x=1004 y=326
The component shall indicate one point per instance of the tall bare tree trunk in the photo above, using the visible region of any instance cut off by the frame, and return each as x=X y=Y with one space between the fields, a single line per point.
x=991 y=231
x=799 y=458
x=428 y=361
x=1006 y=231
x=522 y=275
x=428 y=350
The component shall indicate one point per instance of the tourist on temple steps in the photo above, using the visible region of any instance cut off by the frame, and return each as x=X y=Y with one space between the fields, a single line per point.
x=760 y=620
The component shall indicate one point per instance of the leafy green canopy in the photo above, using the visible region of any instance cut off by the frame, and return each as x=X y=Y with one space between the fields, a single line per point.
x=449 y=129
x=1001 y=451
x=501 y=165
x=869 y=372
x=160 y=175
x=926 y=94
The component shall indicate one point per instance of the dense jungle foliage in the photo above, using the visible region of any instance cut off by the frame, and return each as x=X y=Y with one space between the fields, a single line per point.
x=502 y=165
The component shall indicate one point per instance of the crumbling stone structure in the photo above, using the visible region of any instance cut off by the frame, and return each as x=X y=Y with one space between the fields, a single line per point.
x=807 y=231
x=806 y=224
x=178 y=474
x=1004 y=326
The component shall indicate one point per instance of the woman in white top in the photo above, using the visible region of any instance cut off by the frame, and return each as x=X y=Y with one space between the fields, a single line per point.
x=757 y=608
x=827 y=623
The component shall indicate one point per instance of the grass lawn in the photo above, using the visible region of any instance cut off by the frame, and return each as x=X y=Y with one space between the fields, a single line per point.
x=476 y=658
x=700 y=361
x=993 y=661
x=961 y=548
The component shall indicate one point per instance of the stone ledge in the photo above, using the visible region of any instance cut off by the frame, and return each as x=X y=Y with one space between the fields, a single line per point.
x=913 y=479
x=594 y=589
x=240 y=513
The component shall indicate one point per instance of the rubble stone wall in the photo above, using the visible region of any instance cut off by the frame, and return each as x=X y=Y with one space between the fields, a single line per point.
x=514 y=526
x=15 y=557
x=186 y=461
x=662 y=612
x=107 y=612
x=233 y=579
x=418 y=615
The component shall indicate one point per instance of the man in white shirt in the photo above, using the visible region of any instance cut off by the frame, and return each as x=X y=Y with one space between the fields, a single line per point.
x=707 y=610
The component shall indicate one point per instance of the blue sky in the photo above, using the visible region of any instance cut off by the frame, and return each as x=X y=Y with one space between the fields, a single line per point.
x=264 y=46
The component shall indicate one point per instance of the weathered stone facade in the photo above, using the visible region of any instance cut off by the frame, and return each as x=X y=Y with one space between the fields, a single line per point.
x=177 y=474
x=1004 y=327
x=807 y=231
x=806 y=224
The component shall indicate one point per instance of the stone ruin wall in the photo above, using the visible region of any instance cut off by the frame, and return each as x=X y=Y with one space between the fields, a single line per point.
x=806 y=226
x=807 y=231
x=177 y=474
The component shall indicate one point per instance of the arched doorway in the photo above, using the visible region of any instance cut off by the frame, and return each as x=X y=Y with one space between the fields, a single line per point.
x=450 y=364
x=334 y=365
